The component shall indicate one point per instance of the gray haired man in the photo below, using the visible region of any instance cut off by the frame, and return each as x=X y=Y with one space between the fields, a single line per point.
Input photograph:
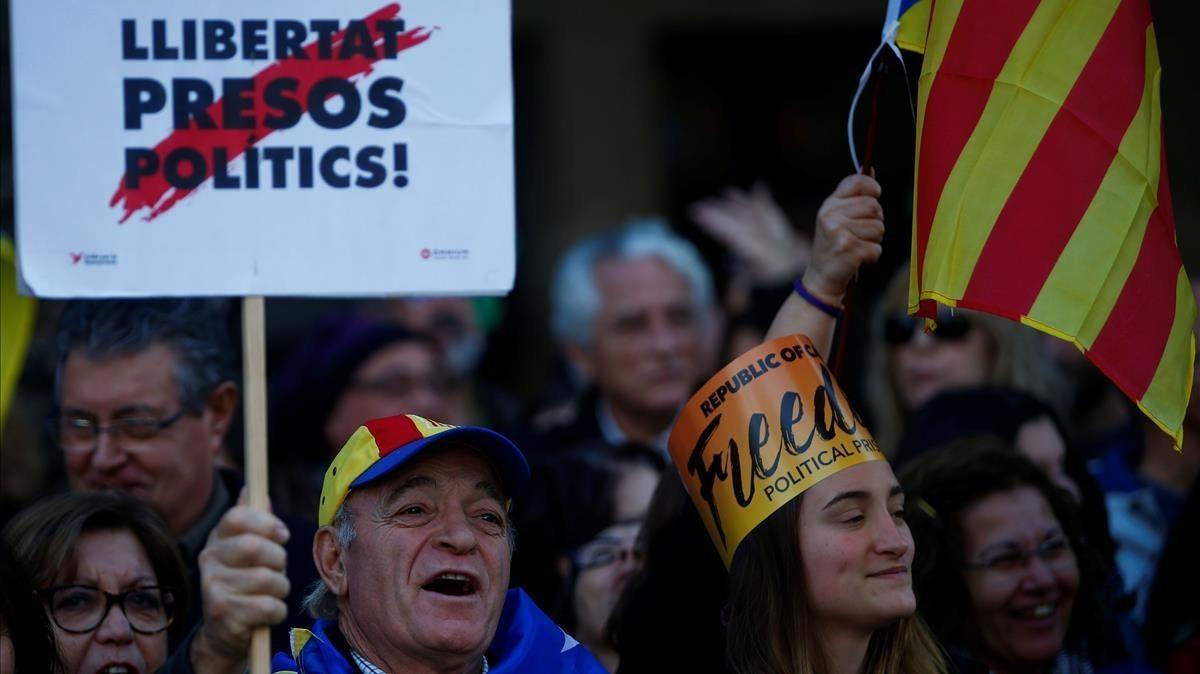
x=633 y=311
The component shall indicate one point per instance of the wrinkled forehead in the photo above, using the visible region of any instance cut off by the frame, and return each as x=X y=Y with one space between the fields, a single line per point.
x=440 y=468
x=108 y=557
x=1020 y=515
x=617 y=277
x=115 y=379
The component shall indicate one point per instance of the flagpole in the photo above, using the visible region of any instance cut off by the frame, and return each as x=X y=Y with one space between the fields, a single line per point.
x=254 y=377
x=839 y=354
x=873 y=123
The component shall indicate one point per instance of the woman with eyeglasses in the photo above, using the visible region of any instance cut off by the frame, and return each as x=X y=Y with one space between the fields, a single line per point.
x=908 y=366
x=590 y=503
x=109 y=576
x=1005 y=576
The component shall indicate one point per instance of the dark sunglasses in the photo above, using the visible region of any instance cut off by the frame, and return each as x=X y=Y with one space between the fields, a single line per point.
x=899 y=328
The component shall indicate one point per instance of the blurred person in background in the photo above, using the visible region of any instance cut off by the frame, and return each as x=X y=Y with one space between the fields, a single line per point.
x=907 y=366
x=682 y=583
x=145 y=395
x=461 y=326
x=580 y=523
x=1005 y=576
x=110 y=578
x=1172 y=630
x=1146 y=483
x=767 y=254
x=348 y=369
x=633 y=311
x=1024 y=423
x=1095 y=412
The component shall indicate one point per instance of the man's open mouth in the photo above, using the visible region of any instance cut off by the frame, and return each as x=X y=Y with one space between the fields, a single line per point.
x=117 y=669
x=452 y=584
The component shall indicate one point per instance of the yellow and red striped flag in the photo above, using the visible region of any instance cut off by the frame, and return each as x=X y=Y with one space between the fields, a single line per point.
x=1041 y=184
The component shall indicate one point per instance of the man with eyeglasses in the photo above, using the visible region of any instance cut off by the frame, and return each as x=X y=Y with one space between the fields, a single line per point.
x=145 y=396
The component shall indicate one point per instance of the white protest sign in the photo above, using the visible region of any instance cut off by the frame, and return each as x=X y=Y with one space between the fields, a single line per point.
x=275 y=147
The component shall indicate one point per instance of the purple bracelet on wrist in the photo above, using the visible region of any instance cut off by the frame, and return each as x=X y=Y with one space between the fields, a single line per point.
x=829 y=309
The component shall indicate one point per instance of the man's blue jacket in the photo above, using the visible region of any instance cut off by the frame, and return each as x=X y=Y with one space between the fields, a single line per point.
x=526 y=641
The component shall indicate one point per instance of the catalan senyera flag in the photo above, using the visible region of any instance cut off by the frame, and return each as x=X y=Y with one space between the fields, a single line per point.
x=1041 y=184
x=913 y=23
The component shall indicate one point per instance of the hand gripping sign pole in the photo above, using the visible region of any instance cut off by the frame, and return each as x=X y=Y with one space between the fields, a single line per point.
x=254 y=378
x=231 y=152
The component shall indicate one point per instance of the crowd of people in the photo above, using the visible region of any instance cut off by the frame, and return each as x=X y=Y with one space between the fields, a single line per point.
x=424 y=521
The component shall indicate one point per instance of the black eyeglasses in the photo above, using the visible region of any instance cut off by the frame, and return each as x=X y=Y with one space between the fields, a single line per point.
x=81 y=608
x=81 y=433
x=899 y=328
x=404 y=383
x=604 y=551
x=1012 y=559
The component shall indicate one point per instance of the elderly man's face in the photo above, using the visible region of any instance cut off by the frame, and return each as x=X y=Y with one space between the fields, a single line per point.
x=428 y=568
x=648 y=347
x=169 y=466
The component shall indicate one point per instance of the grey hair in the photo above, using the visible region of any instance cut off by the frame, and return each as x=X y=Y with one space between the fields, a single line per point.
x=197 y=330
x=575 y=298
x=320 y=603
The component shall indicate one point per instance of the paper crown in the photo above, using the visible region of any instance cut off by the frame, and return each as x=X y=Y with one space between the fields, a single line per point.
x=768 y=426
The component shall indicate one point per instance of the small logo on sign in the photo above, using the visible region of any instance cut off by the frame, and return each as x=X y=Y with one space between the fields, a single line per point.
x=102 y=259
x=446 y=254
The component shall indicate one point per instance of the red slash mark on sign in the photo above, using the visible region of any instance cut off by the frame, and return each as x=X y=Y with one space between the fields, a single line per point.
x=155 y=193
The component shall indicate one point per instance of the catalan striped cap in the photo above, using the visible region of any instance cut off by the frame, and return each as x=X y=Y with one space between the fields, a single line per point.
x=380 y=446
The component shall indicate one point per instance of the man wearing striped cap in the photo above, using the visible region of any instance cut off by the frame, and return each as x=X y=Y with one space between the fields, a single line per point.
x=414 y=553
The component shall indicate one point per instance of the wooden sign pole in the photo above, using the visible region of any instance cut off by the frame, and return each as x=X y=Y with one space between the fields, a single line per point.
x=254 y=378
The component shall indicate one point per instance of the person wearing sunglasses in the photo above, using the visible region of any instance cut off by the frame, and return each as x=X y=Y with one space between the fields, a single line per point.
x=908 y=366
x=1005 y=576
